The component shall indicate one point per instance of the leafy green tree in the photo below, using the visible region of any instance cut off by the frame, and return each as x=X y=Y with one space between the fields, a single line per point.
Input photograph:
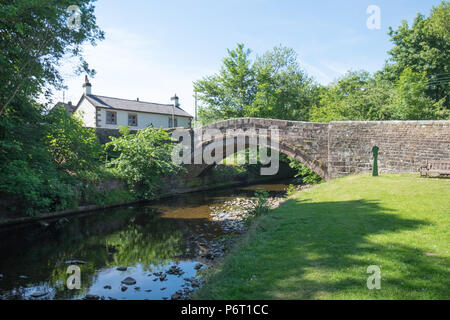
x=359 y=96
x=273 y=86
x=144 y=158
x=73 y=147
x=34 y=37
x=424 y=48
x=30 y=181
x=306 y=174
x=229 y=93
x=283 y=90
x=410 y=101
x=355 y=96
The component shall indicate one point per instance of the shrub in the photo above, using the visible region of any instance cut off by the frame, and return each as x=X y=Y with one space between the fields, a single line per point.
x=144 y=158
x=307 y=175
x=261 y=203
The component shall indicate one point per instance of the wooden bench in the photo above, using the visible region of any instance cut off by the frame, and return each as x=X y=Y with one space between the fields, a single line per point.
x=436 y=168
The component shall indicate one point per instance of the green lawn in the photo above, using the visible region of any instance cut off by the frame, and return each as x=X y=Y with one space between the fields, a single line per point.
x=319 y=243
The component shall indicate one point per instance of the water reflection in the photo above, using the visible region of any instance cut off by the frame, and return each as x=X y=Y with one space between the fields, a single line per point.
x=146 y=239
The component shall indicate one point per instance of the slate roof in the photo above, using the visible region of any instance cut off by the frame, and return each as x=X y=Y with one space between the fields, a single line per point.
x=68 y=106
x=136 y=106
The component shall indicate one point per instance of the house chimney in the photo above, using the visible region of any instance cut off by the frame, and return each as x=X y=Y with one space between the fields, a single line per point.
x=70 y=107
x=175 y=99
x=87 y=86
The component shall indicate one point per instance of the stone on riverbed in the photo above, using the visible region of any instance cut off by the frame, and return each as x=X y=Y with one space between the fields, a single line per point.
x=76 y=262
x=38 y=294
x=129 y=281
x=121 y=268
x=175 y=270
x=91 y=297
x=198 y=266
x=177 y=295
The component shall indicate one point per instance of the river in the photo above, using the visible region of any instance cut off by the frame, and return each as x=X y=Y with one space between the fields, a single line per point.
x=156 y=244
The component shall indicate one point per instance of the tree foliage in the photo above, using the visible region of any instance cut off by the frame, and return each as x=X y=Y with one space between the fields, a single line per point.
x=34 y=36
x=273 y=86
x=144 y=158
x=425 y=49
x=355 y=96
x=40 y=157
x=41 y=153
x=72 y=146
x=361 y=96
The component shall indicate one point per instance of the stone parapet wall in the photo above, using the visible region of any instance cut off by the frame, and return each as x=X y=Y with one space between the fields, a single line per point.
x=404 y=146
x=344 y=147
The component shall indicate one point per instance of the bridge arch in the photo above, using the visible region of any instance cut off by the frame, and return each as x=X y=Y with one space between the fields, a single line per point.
x=340 y=148
x=304 y=141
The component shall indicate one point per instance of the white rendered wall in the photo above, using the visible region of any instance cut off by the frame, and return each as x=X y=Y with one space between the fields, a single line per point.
x=144 y=120
x=87 y=113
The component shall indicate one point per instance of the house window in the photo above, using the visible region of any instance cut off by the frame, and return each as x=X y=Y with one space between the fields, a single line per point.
x=111 y=117
x=132 y=120
x=170 y=122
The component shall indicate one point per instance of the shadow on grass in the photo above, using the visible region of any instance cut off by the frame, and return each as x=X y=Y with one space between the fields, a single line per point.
x=308 y=250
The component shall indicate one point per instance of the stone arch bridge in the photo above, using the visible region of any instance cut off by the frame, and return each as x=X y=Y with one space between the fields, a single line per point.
x=344 y=147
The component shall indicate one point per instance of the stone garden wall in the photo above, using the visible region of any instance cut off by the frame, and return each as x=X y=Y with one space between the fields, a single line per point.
x=404 y=146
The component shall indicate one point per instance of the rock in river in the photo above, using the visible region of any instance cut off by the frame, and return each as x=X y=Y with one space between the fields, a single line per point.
x=129 y=281
x=38 y=294
x=91 y=297
x=77 y=262
x=198 y=266
x=121 y=268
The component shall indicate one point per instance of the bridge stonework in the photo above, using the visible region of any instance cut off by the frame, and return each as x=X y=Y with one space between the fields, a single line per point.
x=404 y=145
x=344 y=147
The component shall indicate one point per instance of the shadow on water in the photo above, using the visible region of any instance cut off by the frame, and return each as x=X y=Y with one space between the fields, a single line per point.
x=143 y=242
x=147 y=239
x=330 y=238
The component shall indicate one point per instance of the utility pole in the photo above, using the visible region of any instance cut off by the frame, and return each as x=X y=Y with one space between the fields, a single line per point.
x=195 y=106
x=175 y=104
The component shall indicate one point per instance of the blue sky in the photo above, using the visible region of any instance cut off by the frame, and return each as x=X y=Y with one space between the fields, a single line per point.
x=154 y=49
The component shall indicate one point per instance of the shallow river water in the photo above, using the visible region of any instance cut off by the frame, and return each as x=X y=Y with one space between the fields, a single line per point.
x=156 y=244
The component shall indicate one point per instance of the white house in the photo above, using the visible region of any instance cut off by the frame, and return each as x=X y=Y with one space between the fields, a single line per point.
x=110 y=113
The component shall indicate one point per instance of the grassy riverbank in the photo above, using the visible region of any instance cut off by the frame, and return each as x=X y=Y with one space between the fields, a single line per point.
x=319 y=243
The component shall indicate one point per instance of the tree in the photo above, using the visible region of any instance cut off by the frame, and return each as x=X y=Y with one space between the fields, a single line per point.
x=424 y=48
x=144 y=158
x=72 y=146
x=34 y=36
x=410 y=101
x=34 y=146
x=283 y=90
x=355 y=96
x=359 y=96
x=229 y=93
x=274 y=86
